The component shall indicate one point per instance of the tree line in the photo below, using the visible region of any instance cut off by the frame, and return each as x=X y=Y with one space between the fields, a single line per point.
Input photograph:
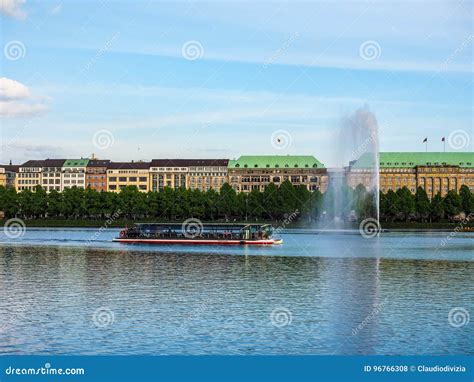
x=274 y=203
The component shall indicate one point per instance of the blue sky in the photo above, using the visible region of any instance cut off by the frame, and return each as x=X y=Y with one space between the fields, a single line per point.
x=76 y=72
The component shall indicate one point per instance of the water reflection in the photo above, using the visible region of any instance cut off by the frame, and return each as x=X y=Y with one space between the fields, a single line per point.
x=200 y=303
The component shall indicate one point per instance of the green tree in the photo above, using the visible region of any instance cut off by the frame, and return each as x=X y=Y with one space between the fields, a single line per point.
x=255 y=205
x=406 y=203
x=25 y=204
x=422 y=204
x=467 y=199
x=55 y=204
x=437 y=208
x=227 y=201
x=93 y=203
x=9 y=202
x=271 y=202
x=390 y=206
x=452 y=204
x=287 y=197
x=316 y=202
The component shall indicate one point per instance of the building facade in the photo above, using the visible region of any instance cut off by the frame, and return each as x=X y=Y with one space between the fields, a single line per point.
x=123 y=174
x=73 y=173
x=171 y=173
x=3 y=177
x=256 y=172
x=29 y=175
x=51 y=174
x=435 y=172
x=11 y=172
x=96 y=174
x=195 y=174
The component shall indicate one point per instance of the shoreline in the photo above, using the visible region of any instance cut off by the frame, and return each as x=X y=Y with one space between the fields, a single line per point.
x=294 y=226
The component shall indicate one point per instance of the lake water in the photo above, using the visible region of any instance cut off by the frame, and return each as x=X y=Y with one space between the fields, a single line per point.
x=72 y=291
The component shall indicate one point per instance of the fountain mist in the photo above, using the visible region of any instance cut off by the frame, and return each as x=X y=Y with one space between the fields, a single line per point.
x=358 y=140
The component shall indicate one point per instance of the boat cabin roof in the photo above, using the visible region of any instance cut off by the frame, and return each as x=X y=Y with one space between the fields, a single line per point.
x=205 y=225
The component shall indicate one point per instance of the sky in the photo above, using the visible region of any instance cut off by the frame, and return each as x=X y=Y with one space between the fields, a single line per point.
x=152 y=79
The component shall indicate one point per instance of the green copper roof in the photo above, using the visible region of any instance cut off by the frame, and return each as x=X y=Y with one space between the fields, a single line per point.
x=412 y=159
x=275 y=161
x=76 y=162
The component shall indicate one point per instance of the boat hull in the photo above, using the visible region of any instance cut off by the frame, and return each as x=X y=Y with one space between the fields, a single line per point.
x=199 y=241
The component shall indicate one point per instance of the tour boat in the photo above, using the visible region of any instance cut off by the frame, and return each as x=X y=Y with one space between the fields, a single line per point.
x=197 y=233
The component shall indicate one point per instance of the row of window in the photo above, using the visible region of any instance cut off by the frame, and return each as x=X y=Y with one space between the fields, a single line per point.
x=277 y=166
x=275 y=179
x=130 y=179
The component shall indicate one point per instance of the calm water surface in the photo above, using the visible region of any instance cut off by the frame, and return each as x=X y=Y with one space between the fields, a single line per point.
x=330 y=293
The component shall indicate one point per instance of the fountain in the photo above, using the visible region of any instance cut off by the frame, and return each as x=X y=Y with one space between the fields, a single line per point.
x=358 y=140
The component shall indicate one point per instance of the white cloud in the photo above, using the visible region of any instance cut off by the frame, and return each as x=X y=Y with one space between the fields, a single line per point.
x=11 y=89
x=13 y=8
x=16 y=100
x=11 y=109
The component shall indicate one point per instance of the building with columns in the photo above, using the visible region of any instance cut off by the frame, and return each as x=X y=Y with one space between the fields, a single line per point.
x=433 y=171
x=201 y=174
x=255 y=172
